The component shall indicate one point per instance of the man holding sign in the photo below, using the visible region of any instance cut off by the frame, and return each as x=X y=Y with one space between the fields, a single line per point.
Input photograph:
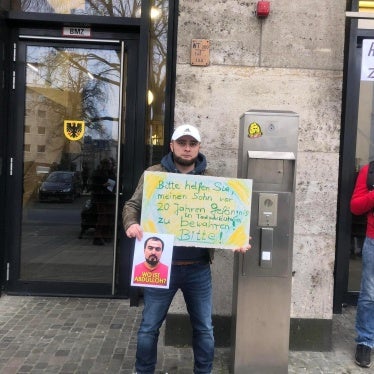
x=190 y=266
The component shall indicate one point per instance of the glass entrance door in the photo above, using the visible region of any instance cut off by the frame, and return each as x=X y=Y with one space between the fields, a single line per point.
x=358 y=150
x=364 y=154
x=72 y=127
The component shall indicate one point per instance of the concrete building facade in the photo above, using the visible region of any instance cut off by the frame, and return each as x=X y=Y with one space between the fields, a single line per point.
x=295 y=59
x=292 y=60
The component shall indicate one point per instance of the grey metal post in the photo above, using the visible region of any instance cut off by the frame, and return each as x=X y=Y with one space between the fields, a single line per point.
x=262 y=276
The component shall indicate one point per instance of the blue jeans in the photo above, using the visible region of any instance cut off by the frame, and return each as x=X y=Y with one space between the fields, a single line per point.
x=196 y=285
x=365 y=305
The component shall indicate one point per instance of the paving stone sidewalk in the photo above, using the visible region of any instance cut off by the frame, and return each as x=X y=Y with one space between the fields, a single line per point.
x=97 y=336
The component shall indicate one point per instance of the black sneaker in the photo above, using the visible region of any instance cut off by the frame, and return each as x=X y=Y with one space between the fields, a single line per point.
x=363 y=353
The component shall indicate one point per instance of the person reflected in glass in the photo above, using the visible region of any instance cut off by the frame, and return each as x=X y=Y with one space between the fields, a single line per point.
x=103 y=196
x=85 y=174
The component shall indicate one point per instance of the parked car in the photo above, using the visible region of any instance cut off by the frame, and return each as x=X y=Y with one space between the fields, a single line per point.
x=61 y=185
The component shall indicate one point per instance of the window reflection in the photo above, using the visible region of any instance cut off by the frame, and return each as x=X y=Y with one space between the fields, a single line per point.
x=113 y=8
x=155 y=129
x=158 y=33
x=70 y=84
x=69 y=186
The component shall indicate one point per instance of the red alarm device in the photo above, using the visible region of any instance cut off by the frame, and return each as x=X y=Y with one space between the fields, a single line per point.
x=263 y=8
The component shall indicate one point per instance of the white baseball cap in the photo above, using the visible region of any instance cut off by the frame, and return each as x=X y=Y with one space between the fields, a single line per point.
x=186 y=130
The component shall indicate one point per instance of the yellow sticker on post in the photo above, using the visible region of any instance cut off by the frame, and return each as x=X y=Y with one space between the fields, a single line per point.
x=200 y=211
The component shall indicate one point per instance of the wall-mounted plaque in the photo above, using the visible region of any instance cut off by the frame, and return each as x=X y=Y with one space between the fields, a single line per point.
x=200 y=52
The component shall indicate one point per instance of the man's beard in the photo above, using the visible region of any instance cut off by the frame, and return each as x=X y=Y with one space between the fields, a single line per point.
x=183 y=161
x=152 y=260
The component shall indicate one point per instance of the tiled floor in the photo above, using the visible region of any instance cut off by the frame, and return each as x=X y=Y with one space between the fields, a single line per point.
x=85 y=335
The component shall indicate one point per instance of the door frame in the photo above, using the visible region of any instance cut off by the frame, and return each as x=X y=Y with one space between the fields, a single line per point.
x=130 y=150
x=351 y=92
x=4 y=89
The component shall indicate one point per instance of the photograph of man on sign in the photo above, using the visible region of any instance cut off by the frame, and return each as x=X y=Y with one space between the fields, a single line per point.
x=148 y=270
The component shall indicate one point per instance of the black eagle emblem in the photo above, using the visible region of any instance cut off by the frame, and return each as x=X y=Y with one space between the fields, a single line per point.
x=73 y=130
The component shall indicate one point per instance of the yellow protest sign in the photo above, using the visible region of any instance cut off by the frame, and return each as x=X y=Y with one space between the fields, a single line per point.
x=200 y=211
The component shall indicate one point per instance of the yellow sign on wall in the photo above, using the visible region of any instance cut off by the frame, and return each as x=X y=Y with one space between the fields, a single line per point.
x=74 y=130
x=200 y=211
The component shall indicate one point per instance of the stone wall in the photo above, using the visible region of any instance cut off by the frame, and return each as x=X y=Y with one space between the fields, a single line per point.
x=292 y=60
